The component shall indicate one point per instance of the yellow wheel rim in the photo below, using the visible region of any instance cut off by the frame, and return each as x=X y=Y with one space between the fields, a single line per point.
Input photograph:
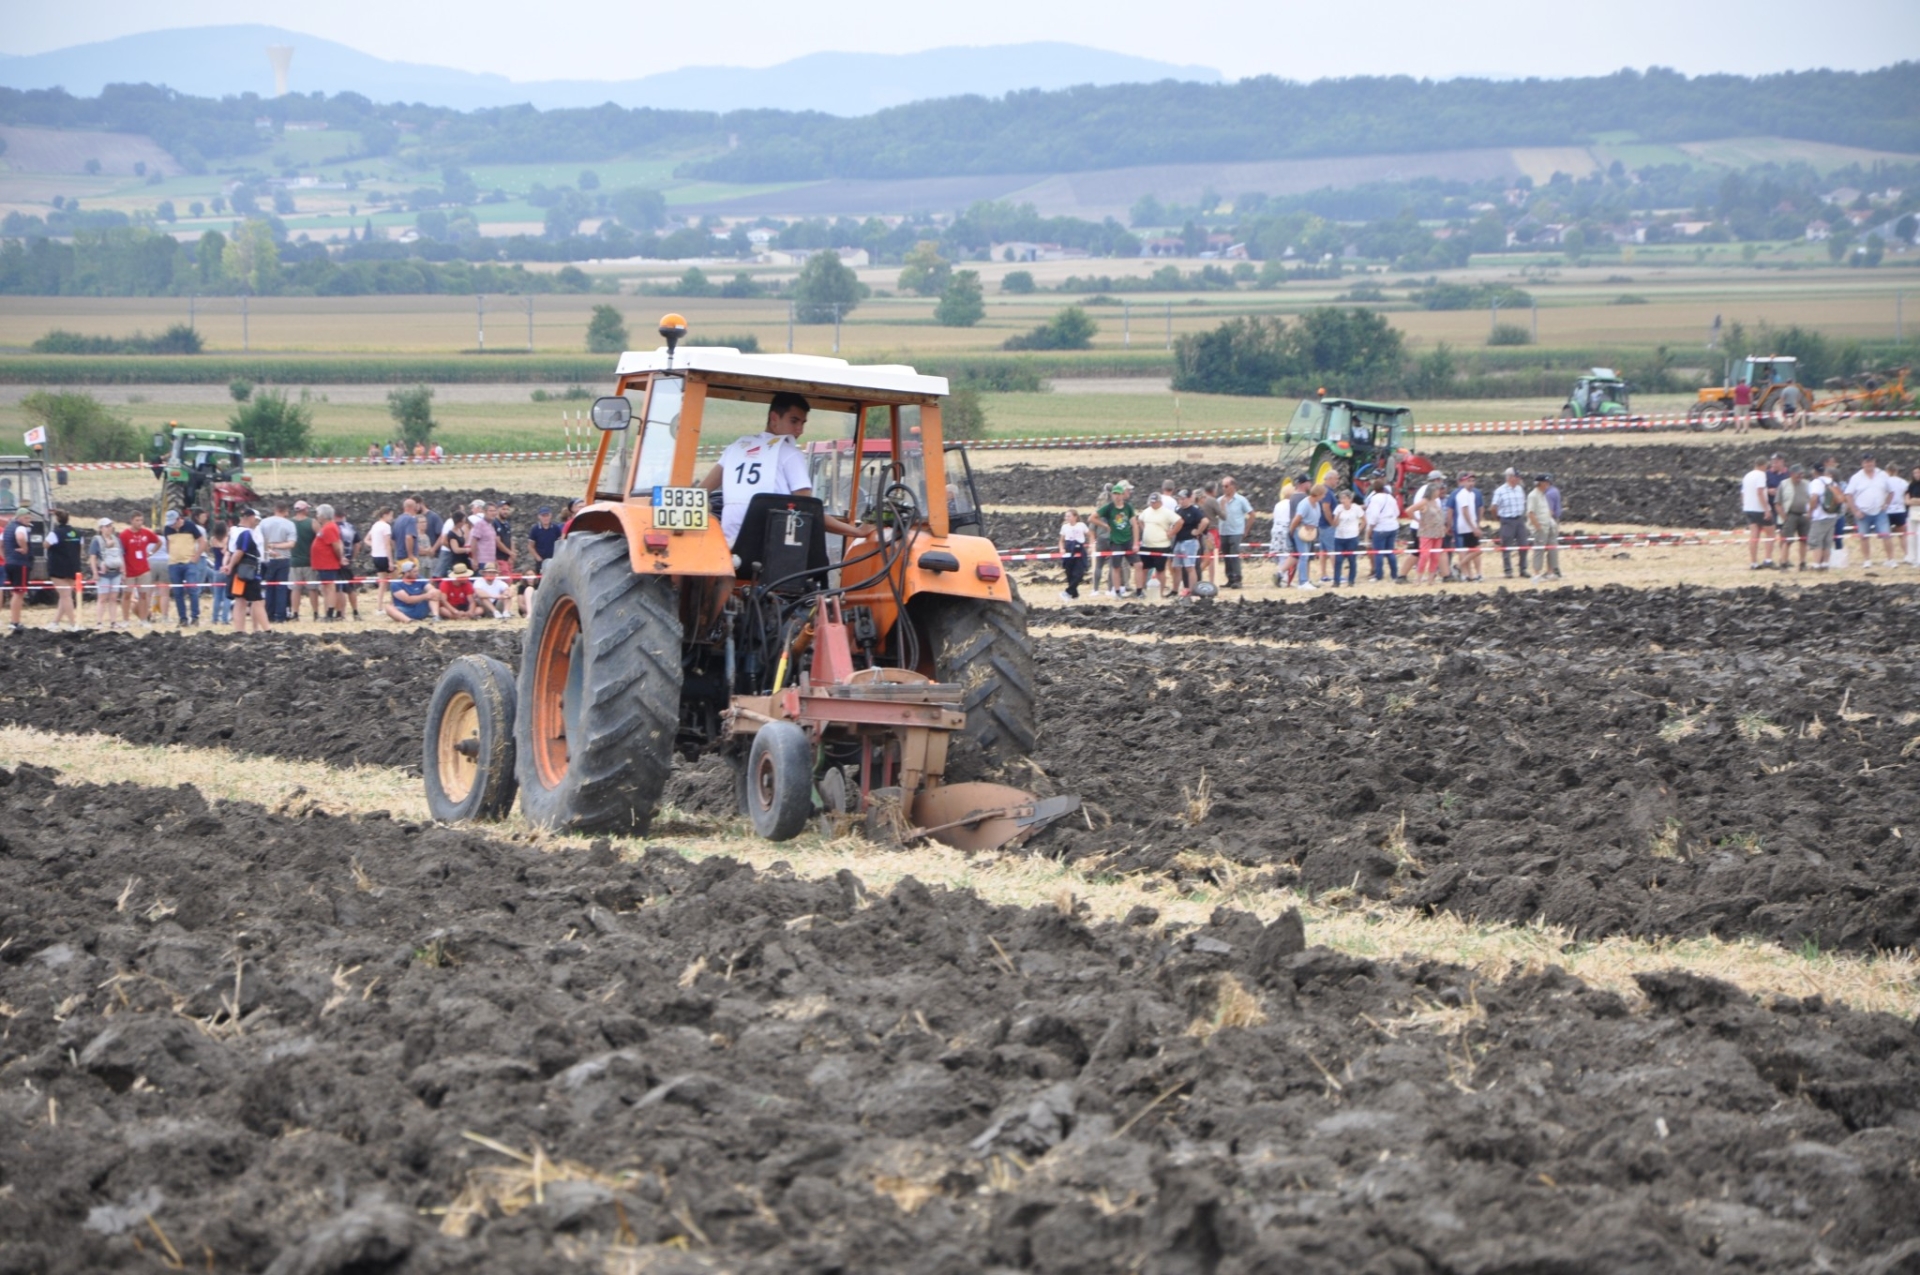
x=459 y=751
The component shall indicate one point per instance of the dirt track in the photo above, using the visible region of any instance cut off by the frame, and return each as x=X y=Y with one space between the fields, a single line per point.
x=270 y=1041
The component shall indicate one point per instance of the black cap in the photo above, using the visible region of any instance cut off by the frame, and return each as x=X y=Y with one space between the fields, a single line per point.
x=1543 y=478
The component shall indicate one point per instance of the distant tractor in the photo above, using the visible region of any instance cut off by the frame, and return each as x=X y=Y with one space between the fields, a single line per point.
x=1345 y=442
x=24 y=485
x=1767 y=376
x=1600 y=393
x=201 y=468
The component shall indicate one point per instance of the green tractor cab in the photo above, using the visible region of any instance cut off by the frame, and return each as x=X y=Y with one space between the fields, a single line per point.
x=201 y=468
x=24 y=486
x=1600 y=393
x=1344 y=442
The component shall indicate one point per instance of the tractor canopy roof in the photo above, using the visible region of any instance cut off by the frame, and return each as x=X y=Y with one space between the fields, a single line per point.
x=825 y=382
x=1359 y=405
x=1332 y=419
x=1605 y=375
x=210 y=436
x=1773 y=358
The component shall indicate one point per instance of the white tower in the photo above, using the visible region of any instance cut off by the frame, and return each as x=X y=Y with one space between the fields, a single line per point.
x=281 y=55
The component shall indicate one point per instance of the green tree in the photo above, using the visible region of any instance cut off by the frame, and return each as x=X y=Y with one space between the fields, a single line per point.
x=276 y=426
x=1018 y=282
x=825 y=286
x=589 y=180
x=1354 y=346
x=926 y=270
x=606 y=331
x=963 y=304
x=1070 y=329
x=252 y=258
x=1146 y=212
x=211 y=256
x=80 y=429
x=1241 y=356
x=412 y=409
x=963 y=416
x=240 y=390
x=639 y=209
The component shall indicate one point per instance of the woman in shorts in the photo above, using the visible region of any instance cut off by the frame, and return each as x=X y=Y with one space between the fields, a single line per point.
x=243 y=569
x=109 y=562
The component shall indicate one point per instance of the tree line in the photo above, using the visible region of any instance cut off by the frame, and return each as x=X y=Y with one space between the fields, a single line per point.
x=1066 y=130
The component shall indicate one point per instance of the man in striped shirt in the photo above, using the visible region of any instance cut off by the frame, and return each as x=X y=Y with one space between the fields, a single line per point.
x=1510 y=504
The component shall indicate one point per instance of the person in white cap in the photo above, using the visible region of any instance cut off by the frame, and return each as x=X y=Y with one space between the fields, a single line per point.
x=109 y=562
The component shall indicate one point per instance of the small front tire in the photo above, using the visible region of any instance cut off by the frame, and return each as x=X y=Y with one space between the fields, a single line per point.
x=468 y=753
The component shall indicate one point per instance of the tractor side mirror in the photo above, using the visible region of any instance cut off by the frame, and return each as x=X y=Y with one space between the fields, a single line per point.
x=612 y=413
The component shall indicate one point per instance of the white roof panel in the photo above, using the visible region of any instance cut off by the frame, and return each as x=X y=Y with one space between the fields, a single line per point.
x=878 y=378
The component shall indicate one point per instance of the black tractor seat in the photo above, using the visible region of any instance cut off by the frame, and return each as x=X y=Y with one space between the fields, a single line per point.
x=783 y=542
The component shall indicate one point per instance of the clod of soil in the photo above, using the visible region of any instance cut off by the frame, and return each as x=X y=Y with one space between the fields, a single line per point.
x=304 y=1043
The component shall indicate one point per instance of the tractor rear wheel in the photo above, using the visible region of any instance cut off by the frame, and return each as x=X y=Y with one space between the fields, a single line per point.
x=599 y=691
x=984 y=647
x=468 y=753
x=1709 y=417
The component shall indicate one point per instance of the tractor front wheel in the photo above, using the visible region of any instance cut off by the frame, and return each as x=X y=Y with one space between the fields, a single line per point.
x=599 y=691
x=468 y=757
x=777 y=788
x=1707 y=417
x=984 y=647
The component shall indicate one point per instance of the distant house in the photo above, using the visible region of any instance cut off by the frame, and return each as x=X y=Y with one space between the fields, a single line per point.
x=1022 y=251
x=760 y=237
x=1818 y=230
x=1166 y=247
x=1688 y=229
x=1842 y=196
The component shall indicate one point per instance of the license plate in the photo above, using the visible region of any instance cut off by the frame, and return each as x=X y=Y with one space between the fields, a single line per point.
x=679 y=508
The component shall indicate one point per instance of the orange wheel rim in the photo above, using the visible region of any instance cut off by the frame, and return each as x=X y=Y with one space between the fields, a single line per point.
x=459 y=768
x=555 y=682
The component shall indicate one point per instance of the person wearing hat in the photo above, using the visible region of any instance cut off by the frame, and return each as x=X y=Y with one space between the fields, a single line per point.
x=409 y=599
x=246 y=570
x=1543 y=528
x=185 y=541
x=456 y=594
x=109 y=564
x=490 y=592
x=1120 y=519
x=1510 y=507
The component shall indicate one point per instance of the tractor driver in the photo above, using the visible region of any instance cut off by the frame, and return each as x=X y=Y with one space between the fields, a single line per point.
x=769 y=461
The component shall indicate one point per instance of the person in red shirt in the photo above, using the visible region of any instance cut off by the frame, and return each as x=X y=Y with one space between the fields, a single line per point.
x=456 y=595
x=329 y=559
x=136 y=542
x=1742 y=406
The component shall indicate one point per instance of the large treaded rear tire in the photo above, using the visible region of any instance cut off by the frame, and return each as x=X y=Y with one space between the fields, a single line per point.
x=984 y=647
x=599 y=691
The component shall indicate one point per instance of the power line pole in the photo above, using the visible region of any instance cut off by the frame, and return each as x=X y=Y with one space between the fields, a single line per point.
x=1126 y=323
x=1169 y=325
x=836 y=327
x=246 y=340
x=529 y=323
x=480 y=319
x=789 y=327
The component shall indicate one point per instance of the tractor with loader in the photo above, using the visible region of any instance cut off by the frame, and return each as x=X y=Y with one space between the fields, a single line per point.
x=1766 y=376
x=893 y=683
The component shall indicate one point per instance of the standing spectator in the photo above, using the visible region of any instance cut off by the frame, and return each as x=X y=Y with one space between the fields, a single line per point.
x=1235 y=509
x=1383 y=529
x=1430 y=517
x=501 y=516
x=1869 y=494
x=380 y=549
x=214 y=562
x=1792 y=503
x=1186 y=543
x=545 y=535
x=203 y=568
x=1308 y=526
x=456 y=594
x=186 y=541
x=490 y=592
x=1073 y=554
x=1753 y=505
x=160 y=568
x=1102 y=545
x=406 y=535
x=481 y=536
x=246 y=568
x=410 y=599
x=1348 y=522
x=137 y=542
x=109 y=575
x=1510 y=507
x=1776 y=474
x=19 y=561
x=1121 y=521
x=1825 y=502
x=1208 y=499
x=1742 y=406
x=64 y=572
x=1468 y=512
x=1897 y=520
x=328 y=556
x=1543 y=527
x=452 y=549
x=1328 y=499
x=276 y=536
x=1793 y=407
x=306 y=580
x=346 y=591
x=1157 y=524
x=432 y=525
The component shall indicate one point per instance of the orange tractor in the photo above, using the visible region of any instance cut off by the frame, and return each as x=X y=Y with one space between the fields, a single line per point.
x=849 y=685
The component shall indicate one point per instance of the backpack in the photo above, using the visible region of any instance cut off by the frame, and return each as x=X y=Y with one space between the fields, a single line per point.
x=1830 y=498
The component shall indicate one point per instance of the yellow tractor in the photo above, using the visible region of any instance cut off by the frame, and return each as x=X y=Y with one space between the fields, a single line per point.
x=1766 y=377
x=850 y=686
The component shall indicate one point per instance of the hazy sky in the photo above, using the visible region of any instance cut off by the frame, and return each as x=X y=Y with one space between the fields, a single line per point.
x=619 y=39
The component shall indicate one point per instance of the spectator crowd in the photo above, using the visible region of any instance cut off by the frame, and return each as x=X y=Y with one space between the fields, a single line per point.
x=276 y=564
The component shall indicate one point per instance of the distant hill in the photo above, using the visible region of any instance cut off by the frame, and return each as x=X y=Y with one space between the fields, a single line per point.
x=220 y=61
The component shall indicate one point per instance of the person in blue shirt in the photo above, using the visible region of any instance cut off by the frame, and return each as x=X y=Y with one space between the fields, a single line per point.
x=410 y=599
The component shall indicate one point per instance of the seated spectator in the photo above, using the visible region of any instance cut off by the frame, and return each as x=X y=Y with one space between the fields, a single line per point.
x=456 y=595
x=490 y=592
x=409 y=598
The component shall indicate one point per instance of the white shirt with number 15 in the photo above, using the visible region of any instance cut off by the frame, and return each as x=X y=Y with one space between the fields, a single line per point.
x=757 y=463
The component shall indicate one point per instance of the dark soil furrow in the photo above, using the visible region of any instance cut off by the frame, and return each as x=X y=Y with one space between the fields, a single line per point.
x=277 y=1037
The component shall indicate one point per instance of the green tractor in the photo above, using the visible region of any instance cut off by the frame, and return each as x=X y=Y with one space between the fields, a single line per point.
x=1344 y=442
x=24 y=486
x=201 y=468
x=1600 y=393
